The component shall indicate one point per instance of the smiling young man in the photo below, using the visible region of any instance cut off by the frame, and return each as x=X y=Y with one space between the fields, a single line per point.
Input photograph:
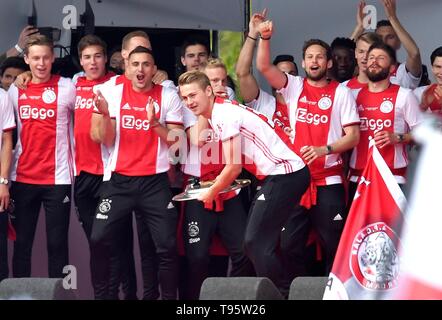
x=42 y=166
x=134 y=121
x=325 y=123
x=249 y=139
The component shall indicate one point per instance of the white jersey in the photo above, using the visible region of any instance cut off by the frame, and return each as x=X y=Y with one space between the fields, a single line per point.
x=263 y=150
x=7 y=121
x=404 y=78
x=44 y=112
x=264 y=103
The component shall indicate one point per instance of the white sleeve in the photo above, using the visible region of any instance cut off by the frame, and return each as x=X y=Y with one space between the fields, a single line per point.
x=107 y=89
x=412 y=113
x=292 y=89
x=173 y=107
x=419 y=93
x=349 y=113
x=169 y=84
x=13 y=95
x=226 y=123
x=189 y=119
x=7 y=112
x=404 y=78
x=264 y=103
x=70 y=93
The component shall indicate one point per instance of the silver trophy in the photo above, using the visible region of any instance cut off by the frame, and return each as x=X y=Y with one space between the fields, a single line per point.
x=197 y=187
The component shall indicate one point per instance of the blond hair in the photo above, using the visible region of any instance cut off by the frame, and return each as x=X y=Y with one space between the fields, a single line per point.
x=133 y=34
x=39 y=40
x=213 y=63
x=194 y=76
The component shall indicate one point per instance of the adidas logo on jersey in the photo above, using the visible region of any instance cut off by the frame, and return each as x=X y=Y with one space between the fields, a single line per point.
x=170 y=205
x=304 y=100
x=23 y=97
x=66 y=199
x=126 y=107
x=338 y=217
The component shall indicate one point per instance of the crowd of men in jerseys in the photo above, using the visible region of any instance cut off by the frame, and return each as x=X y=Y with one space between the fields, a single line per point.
x=112 y=135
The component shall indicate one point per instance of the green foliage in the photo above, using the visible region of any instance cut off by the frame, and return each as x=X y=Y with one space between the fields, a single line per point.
x=229 y=47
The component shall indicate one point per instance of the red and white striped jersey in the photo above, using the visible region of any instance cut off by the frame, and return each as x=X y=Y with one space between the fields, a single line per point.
x=89 y=155
x=7 y=121
x=395 y=110
x=317 y=117
x=273 y=109
x=205 y=162
x=263 y=151
x=43 y=154
x=138 y=150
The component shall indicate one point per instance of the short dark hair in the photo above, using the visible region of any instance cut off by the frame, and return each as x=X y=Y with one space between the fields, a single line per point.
x=141 y=49
x=341 y=42
x=13 y=62
x=193 y=41
x=283 y=58
x=383 y=23
x=436 y=53
x=382 y=46
x=318 y=42
x=91 y=40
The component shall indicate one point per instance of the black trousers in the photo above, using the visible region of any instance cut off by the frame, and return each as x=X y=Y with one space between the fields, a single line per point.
x=198 y=229
x=150 y=198
x=327 y=218
x=270 y=209
x=4 y=268
x=87 y=191
x=56 y=203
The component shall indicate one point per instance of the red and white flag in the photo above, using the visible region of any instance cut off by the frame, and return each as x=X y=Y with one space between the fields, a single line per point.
x=367 y=261
x=421 y=255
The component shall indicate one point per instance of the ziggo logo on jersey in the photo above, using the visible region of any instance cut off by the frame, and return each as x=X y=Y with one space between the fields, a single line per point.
x=28 y=112
x=130 y=122
x=83 y=103
x=374 y=124
x=303 y=116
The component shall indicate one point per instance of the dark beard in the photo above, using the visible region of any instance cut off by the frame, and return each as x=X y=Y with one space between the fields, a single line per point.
x=318 y=77
x=376 y=77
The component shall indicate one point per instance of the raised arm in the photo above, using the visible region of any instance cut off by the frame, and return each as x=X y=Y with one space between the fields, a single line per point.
x=276 y=78
x=247 y=82
x=359 y=27
x=414 y=62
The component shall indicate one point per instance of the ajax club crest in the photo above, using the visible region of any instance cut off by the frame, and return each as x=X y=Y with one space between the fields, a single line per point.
x=49 y=95
x=374 y=260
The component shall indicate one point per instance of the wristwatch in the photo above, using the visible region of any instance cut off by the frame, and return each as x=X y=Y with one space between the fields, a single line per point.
x=400 y=137
x=329 y=149
x=3 y=180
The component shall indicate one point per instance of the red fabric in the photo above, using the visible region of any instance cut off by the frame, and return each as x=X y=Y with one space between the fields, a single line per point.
x=11 y=231
x=367 y=251
x=217 y=248
x=308 y=199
